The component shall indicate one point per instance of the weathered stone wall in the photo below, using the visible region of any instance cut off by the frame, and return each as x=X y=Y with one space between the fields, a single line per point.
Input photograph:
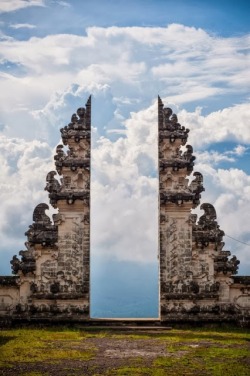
x=197 y=279
x=10 y=294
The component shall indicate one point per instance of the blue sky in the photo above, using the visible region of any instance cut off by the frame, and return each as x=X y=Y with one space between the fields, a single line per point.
x=194 y=54
x=223 y=17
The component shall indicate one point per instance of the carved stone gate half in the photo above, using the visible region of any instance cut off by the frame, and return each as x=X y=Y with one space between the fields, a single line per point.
x=197 y=277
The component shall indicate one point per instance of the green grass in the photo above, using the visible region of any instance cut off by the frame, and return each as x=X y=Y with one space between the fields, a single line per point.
x=194 y=352
x=31 y=345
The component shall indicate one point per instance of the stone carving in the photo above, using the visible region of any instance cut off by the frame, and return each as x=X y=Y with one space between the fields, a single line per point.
x=60 y=155
x=207 y=230
x=8 y=281
x=42 y=231
x=52 y=183
x=49 y=269
x=223 y=264
x=177 y=159
x=27 y=264
x=79 y=127
x=197 y=184
x=175 y=165
x=169 y=128
x=75 y=164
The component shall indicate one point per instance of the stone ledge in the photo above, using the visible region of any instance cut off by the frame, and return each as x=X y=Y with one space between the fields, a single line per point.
x=9 y=281
x=63 y=296
x=190 y=296
x=243 y=280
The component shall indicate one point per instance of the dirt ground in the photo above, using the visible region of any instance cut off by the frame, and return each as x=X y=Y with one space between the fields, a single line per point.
x=110 y=354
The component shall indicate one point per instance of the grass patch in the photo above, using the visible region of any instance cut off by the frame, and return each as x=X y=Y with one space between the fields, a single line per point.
x=210 y=361
x=30 y=345
x=189 y=352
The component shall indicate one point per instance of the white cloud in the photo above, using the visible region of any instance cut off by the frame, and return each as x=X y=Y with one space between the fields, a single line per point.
x=11 y=5
x=65 y=4
x=24 y=166
x=213 y=157
x=239 y=150
x=181 y=63
x=228 y=124
x=23 y=26
x=124 y=192
x=124 y=220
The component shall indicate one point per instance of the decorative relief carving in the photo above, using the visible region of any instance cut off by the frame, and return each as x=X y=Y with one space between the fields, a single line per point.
x=74 y=166
x=52 y=183
x=42 y=231
x=49 y=269
x=207 y=230
x=79 y=127
x=169 y=128
x=196 y=185
x=27 y=264
x=243 y=301
x=60 y=155
x=223 y=264
x=172 y=157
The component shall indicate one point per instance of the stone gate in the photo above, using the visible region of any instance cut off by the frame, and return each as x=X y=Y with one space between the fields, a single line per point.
x=197 y=278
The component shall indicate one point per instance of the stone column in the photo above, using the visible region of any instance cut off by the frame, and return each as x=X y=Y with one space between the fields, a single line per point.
x=176 y=199
x=72 y=197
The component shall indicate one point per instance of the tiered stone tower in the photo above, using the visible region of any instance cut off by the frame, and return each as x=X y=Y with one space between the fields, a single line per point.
x=54 y=270
x=196 y=275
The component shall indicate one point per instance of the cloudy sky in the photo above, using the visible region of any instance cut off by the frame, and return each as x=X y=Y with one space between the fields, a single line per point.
x=194 y=54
